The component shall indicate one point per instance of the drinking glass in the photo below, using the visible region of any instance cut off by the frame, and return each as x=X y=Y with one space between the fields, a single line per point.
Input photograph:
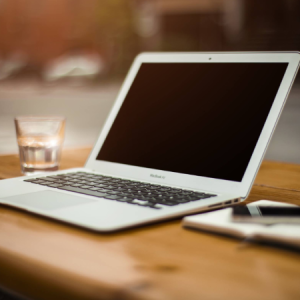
x=40 y=141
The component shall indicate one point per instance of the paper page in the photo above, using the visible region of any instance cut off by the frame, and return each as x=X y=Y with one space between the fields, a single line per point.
x=286 y=233
x=220 y=221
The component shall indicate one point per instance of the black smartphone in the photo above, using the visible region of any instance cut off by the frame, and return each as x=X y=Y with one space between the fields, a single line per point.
x=266 y=214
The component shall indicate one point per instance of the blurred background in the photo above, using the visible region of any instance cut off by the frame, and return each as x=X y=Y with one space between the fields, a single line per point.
x=69 y=57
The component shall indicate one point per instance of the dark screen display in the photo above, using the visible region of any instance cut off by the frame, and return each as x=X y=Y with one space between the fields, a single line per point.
x=267 y=211
x=280 y=211
x=194 y=118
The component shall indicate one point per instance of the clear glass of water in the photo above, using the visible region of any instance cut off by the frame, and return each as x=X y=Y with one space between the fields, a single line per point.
x=40 y=141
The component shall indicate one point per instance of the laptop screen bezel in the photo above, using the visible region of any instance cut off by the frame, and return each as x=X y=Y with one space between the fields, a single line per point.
x=191 y=181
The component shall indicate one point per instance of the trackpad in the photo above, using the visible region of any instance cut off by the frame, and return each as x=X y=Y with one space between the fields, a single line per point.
x=47 y=200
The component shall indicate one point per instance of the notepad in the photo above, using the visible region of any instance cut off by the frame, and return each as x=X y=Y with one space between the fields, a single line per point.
x=220 y=222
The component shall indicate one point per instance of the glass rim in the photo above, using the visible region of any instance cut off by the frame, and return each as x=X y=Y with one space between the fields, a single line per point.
x=41 y=118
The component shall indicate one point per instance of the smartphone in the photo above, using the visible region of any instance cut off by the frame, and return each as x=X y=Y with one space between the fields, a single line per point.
x=266 y=214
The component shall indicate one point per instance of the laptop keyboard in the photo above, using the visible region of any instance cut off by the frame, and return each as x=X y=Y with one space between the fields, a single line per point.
x=133 y=192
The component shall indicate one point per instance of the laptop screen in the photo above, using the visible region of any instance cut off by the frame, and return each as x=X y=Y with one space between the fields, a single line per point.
x=200 y=119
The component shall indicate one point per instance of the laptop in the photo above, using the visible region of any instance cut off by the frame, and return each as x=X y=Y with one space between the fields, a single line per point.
x=187 y=133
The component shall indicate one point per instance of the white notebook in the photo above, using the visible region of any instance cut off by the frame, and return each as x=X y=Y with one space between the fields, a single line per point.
x=220 y=222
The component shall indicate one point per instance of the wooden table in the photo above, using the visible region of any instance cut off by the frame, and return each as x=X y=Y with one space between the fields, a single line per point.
x=43 y=259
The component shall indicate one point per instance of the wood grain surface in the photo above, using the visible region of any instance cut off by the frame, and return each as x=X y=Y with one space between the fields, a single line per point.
x=44 y=259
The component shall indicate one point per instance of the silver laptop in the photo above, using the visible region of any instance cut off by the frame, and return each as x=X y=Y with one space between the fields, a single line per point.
x=187 y=133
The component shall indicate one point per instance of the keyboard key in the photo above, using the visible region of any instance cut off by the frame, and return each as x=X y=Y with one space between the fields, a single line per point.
x=55 y=185
x=112 y=197
x=90 y=179
x=76 y=184
x=169 y=203
x=102 y=190
x=138 y=201
x=195 y=197
x=92 y=188
x=110 y=187
x=199 y=194
x=164 y=189
x=47 y=183
x=65 y=182
x=125 y=198
x=47 y=179
x=75 y=180
x=105 y=179
x=33 y=180
x=85 y=186
x=82 y=191
x=112 y=192
x=101 y=185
